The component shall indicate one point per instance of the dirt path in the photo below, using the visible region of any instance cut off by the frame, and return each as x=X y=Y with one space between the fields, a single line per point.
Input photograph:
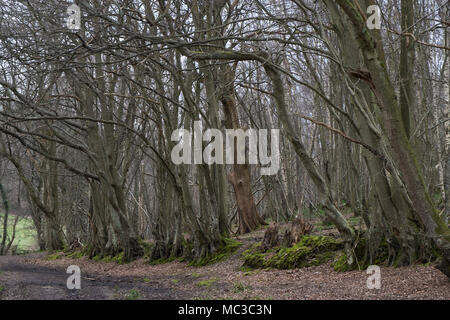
x=34 y=277
x=22 y=278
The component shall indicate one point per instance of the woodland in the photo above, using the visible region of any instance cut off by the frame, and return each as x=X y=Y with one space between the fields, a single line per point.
x=87 y=116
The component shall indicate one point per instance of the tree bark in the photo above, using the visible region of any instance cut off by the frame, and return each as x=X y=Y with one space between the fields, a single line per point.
x=239 y=177
x=400 y=148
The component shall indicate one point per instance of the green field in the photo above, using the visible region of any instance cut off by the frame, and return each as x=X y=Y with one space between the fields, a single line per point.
x=26 y=236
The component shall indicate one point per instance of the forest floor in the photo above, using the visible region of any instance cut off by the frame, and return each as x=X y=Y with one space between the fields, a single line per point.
x=35 y=277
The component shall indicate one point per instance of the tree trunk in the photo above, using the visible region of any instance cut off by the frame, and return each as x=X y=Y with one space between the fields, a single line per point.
x=239 y=177
x=407 y=61
x=399 y=146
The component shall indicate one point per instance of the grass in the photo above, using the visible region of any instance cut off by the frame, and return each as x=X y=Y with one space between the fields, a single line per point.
x=133 y=294
x=249 y=271
x=240 y=287
x=196 y=275
x=77 y=254
x=26 y=235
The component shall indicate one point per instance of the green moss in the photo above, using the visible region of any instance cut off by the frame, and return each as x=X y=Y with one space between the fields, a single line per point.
x=206 y=283
x=255 y=260
x=361 y=261
x=77 y=254
x=341 y=265
x=147 y=248
x=441 y=227
x=228 y=247
x=249 y=271
x=253 y=247
x=240 y=287
x=108 y=259
x=59 y=255
x=119 y=258
x=310 y=251
x=133 y=294
x=175 y=281
x=55 y=256
x=162 y=260
x=246 y=269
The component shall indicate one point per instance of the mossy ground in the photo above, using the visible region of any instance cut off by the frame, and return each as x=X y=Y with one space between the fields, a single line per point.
x=309 y=251
x=240 y=287
x=78 y=254
x=206 y=283
x=108 y=259
x=82 y=252
x=228 y=247
x=55 y=256
x=163 y=260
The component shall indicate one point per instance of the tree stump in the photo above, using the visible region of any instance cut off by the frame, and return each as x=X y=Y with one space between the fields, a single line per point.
x=75 y=244
x=271 y=238
x=298 y=227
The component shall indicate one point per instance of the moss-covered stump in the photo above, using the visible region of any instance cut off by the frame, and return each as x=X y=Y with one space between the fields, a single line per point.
x=309 y=251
